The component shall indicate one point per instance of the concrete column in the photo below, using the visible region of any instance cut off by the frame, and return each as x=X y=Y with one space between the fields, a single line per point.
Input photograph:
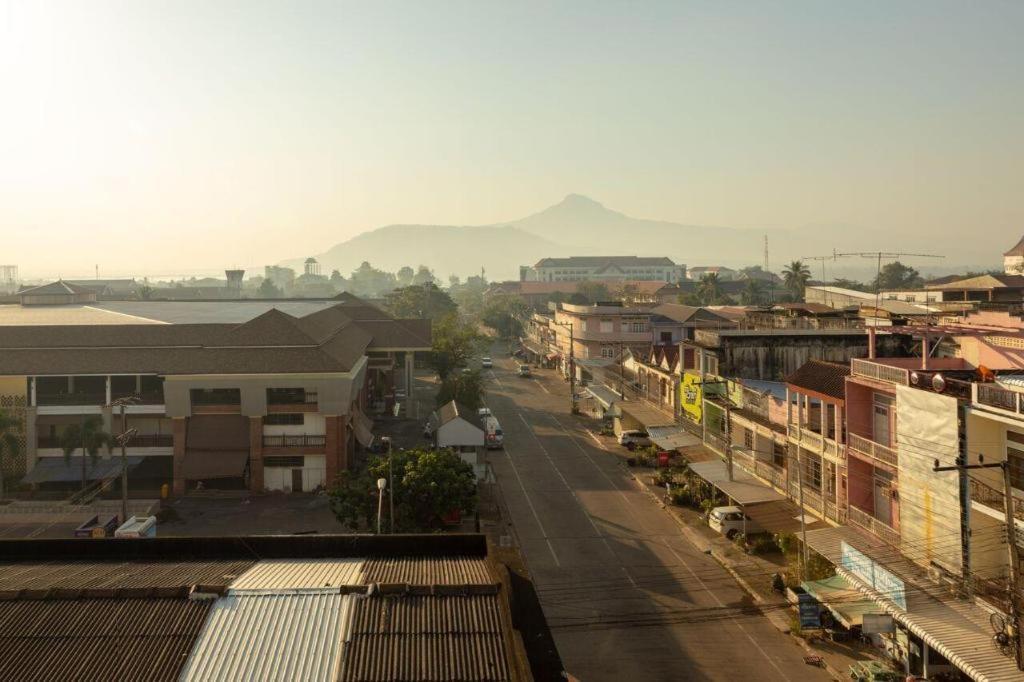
x=107 y=402
x=925 y=349
x=32 y=383
x=824 y=421
x=412 y=406
x=256 y=454
x=179 y=427
x=871 y=342
x=31 y=438
x=337 y=447
x=108 y=426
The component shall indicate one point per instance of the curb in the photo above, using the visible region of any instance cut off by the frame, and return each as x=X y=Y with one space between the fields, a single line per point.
x=774 y=617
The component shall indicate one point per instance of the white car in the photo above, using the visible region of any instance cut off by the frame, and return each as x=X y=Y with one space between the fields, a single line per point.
x=732 y=520
x=524 y=370
x=633 y=438
x=484 y=412
x=486 y=363
x=495 y=438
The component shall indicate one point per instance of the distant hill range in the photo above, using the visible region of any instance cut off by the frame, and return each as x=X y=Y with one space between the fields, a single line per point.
x=579 y=226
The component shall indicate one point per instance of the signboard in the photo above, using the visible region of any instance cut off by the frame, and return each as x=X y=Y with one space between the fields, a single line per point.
x=878 y=623
x=809 y=610
x=874 y=575
x=691 y=396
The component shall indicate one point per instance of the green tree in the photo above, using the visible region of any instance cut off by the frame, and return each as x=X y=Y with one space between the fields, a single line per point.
x=268 y=290
x=896 y=275
x=10 y=444
x=795 y=276
x=505 y=315
x=844 y=283
x=628 y=293
x=424 y=275
x=424 y=301
x=404 y=276
x=89 y=437
x=465 y=388
x=454 y=343
x=469 y=295
x=428 y=485
x=593 y=292
x=338 y=281
x=753 y=292
x=368 y=281
x=710 y=289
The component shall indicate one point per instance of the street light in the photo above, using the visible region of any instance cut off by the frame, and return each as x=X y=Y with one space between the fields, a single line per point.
x=381 y=484
x=122 y=440
x=386 y=442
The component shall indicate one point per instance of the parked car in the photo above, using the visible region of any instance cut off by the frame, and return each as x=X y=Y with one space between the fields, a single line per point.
x=633 y=439
x=524 y=371
x=494 y=437
x=732 y=520
x=484 y=412
x=486 y=363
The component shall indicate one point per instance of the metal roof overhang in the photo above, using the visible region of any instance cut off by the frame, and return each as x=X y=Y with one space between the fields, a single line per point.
x=363 y=428
x=55 y=470
x=205 y=464
x=645 y=414
x=960 y=631
x=782 y=516
x=603 y=395
x=744 y=489
x=842 y=599
x=672 y=437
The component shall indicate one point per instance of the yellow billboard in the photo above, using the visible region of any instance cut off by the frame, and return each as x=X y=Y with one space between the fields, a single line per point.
x=691 y=396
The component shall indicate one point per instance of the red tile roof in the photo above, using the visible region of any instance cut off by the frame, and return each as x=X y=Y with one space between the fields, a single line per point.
x=824 y=378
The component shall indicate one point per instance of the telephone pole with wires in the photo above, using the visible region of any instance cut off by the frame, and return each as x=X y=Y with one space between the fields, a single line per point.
x=887 y=255
x=824 y=281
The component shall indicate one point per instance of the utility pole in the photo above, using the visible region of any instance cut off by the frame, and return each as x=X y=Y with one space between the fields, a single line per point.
x=572 y=366
x=879 y=255
x=122 y=440
x=803 y=515
x=1014 y=573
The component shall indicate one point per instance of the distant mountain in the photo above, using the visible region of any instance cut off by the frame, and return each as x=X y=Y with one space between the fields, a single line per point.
x=580 y=226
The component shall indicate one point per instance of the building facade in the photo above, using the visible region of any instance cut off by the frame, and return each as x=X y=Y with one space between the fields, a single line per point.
x=581 y=268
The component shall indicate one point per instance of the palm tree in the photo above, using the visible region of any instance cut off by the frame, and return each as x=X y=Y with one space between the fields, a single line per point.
x=90 y=437
x=710 y=289
x=795 y=276
x=10 y=443
x=753 y=292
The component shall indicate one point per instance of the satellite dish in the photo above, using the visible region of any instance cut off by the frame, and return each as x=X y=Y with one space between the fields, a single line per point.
x=915 y=379
x=938 y=383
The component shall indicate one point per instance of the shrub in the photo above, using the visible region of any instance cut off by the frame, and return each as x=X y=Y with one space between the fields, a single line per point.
x=706 y=506
x=680 y=497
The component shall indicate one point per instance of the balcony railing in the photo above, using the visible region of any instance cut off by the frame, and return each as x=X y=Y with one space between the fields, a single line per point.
x=869 y=523
x=872 y=449
x=992 y=395
x=144 y=398
x=151 y=440
x=294 y=441
x=216 y=397
x=77 y=398
x=992 y=497
x=879 y=372
x=292 y=398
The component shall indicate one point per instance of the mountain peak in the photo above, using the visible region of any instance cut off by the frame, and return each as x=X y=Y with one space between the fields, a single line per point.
x=579 y=201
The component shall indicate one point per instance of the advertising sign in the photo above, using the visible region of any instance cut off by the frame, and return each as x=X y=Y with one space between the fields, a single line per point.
x=878 y=623
x=691 y=396
x=870 y=572
x=809 y=610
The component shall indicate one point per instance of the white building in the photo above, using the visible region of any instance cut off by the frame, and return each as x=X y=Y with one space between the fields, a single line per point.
x=580 y=268
x=1013 y=260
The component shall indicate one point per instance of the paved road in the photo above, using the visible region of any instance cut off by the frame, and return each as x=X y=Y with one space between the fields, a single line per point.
x=628 y=598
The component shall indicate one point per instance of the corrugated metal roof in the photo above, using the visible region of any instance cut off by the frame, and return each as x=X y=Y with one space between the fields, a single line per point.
x=280 y=574
x=428 y=571
x=960 y=631
x=86 y=575
x=267 y=637
x=97 y=639
x=430 y=637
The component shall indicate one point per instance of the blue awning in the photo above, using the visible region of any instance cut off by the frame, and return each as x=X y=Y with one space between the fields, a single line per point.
x=56 y=470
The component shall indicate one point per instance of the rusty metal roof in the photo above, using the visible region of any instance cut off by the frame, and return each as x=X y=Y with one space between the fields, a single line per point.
x=28 y=576
x=409 y=638
x=97 y=639
x=428 y=571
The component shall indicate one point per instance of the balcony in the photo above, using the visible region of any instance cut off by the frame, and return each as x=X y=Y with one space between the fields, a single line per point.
x=68 y=399
x=872 y=450
x=879 y=372
x=294 y=441
x=991 y=395
x=882 y=530
x=143 y=440
x=993 y=498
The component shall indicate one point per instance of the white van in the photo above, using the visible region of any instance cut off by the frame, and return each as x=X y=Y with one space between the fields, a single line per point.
x=731 y=520
x=494 y=438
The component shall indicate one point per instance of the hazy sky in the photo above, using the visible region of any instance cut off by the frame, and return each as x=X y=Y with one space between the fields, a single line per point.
x=161 y=136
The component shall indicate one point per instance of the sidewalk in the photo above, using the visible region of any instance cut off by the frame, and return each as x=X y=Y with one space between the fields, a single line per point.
x=753 y=573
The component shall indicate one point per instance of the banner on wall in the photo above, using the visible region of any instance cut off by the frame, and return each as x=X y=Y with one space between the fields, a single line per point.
x=691 y=396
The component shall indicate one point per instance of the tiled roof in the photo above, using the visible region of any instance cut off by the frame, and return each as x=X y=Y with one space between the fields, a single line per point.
x=826 y=378
x=71 y=576
x=97 y=639
x=646 y=287
x=58 y=288
x=597 y=261
x=430 y=637
x=1017 y=250
x=450 y=570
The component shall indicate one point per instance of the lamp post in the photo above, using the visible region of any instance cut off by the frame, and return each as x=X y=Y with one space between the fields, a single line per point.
x=381 y=484
x=125 y=436
x=386 y=440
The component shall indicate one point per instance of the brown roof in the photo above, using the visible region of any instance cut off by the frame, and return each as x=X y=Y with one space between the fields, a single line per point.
x=58 y=288
x=453 y=570
x=98 y=639
x=1017 y=250
x=27 y=577
x=598 y=261
x=825 y=378
x=426 y=637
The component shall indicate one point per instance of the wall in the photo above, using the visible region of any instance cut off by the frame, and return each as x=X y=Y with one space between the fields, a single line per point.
x=691 y=396
x=313 y=425
x=14 y=402
x=773 y=357
x=927 y=430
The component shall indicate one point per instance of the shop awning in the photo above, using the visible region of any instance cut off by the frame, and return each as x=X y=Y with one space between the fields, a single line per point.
x=958 y=630
x=842 y=599
x=55 y=470
x=603 y=394
x=206 y=464
x=553 y=356
x=743 y=488
x=647 y=415
x=363 y=428
x=671 y=437
x=782 y=516
x=533 y=348
x=594 y=363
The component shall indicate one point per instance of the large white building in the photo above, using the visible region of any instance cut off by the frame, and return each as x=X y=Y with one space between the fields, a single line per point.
x=579 y=268
x=1013 y=260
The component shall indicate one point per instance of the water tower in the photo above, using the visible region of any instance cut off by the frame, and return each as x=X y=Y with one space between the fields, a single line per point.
x=312 y=267
x=235 y=282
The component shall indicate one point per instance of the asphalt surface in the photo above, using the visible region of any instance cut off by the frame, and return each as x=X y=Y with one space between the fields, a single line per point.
x=626 y=595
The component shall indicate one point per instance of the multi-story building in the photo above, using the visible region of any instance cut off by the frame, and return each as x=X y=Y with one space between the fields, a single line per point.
x=276 y=402
x=579 y=268
x=601 y=331
x=1013 y=260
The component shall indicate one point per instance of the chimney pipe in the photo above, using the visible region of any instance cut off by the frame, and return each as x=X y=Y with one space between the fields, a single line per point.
x=871 y=343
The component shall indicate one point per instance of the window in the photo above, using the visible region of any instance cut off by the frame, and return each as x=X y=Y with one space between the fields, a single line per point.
x=606 y=327
x=778 y=454
x=288 y=462
x=812 y=471
x=748 y=439
x=297 y=419
x=1015 y=456
x=665 y=337
x=638 y=327
x=607 y=352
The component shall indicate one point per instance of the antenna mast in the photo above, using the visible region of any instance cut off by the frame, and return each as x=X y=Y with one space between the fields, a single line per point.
x=879 y=255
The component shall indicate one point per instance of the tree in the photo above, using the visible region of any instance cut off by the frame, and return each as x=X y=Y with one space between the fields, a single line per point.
x=753 y=292
x=338 y=281
x=465 y=388
x=88 y=436
x=795 y=276
x=469 y=295
x=10 y=444
x=424 y=275
x=425 y=301
x=710 y=289
x=145 y=292
x=269 y=290
x=628 y=293
x=593 y=292
x=454 y=343
x=367 y=280
x=505 y=315
x=404 y=276
x=896 y=275
x=428 y=485
x=844 y=283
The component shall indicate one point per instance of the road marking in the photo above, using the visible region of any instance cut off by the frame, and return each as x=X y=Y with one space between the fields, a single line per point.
x=533 y=509
x=542 y=387
x=495 y=377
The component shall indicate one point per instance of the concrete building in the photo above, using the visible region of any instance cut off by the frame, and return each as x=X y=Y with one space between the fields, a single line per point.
x=276 y=401
x=8 y=279
x=599 y=332
x=698 y=271
x=581 y=268
x=1013 y=260
x=633 y=292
